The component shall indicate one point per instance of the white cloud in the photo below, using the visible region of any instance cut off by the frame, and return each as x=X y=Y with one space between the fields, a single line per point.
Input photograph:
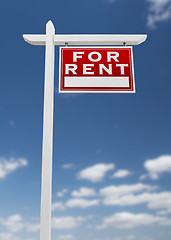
x=8 y=166
x=95 y=173
x=143 y=177
x=126 y=195
x=66 y=222
x=164 y=212
x=82 y=203
x=62 y=193
x=125 y=189
x=65 y=237
x=68 y=166
x=15 y=223
x=160 y=201
x=26 y=239
x=10 y=236
x=156 y=167
x=84 y=192
x=6 y=236
x=32 y=227
x=130 y=220
x=158 y=11
x=122 y=173
x=58 y=206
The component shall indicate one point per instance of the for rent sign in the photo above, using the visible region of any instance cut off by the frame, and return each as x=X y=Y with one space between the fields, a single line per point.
x=97 y=69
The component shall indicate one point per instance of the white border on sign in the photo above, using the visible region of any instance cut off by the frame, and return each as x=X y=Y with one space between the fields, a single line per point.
x=130 y=47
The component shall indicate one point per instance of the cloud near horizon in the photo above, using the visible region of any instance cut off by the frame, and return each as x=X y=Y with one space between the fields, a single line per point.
x=65 y=237
x=67 y=222
x=126 y=220
x=15 y=223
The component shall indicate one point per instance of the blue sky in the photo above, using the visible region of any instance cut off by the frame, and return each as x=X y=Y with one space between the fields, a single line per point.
x=112 y=154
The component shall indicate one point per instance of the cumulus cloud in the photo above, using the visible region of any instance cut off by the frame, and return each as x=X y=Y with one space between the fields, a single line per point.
x=124 y=195
x=84 y=192
x=95 y=173
x=122 y=173
x=125 y=189
x=66 y=222
x=153 y=200
x=16 y=223
x=6 y=236
x=62 y=193
x=158 y=11
x=32 y=227
x=131 y=220
x=121 y=195
x=82 y=203
x=158 y=166
x=8 y=166
x=164 y=212
x=58 y=206
x=11 y=236
x=127 y=195
x=160 y=201
x=143 y=177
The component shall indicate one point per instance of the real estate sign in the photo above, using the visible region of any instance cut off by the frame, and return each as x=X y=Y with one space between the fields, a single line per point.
x=96 y=69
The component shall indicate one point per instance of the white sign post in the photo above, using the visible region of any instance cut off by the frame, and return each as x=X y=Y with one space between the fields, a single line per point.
x=50 y=40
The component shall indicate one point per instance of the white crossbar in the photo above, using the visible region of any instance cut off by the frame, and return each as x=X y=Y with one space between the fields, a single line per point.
x=82 y=39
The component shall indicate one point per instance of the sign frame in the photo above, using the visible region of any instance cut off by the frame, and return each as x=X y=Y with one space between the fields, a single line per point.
x=98 y=91
x=50 y=40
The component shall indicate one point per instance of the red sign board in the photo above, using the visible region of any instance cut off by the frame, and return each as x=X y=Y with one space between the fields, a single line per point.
x=96 y=69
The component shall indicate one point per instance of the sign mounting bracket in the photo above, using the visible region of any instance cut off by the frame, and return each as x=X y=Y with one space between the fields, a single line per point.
x=82 y=39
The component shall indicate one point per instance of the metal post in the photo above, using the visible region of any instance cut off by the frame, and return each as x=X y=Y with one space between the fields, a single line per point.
x=46 y=187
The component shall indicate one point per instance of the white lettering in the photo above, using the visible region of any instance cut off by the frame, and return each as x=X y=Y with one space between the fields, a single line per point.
x=87 y=67
x=122 y=67
x=99 y=56
x=102 y=67
x=112 y=55
x=76 y=55
x=70 y=67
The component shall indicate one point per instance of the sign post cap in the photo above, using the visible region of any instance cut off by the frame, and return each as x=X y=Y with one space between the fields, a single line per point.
x=49 y=24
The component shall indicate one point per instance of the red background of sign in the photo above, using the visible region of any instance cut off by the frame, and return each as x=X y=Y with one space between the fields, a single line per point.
x=125 y=57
